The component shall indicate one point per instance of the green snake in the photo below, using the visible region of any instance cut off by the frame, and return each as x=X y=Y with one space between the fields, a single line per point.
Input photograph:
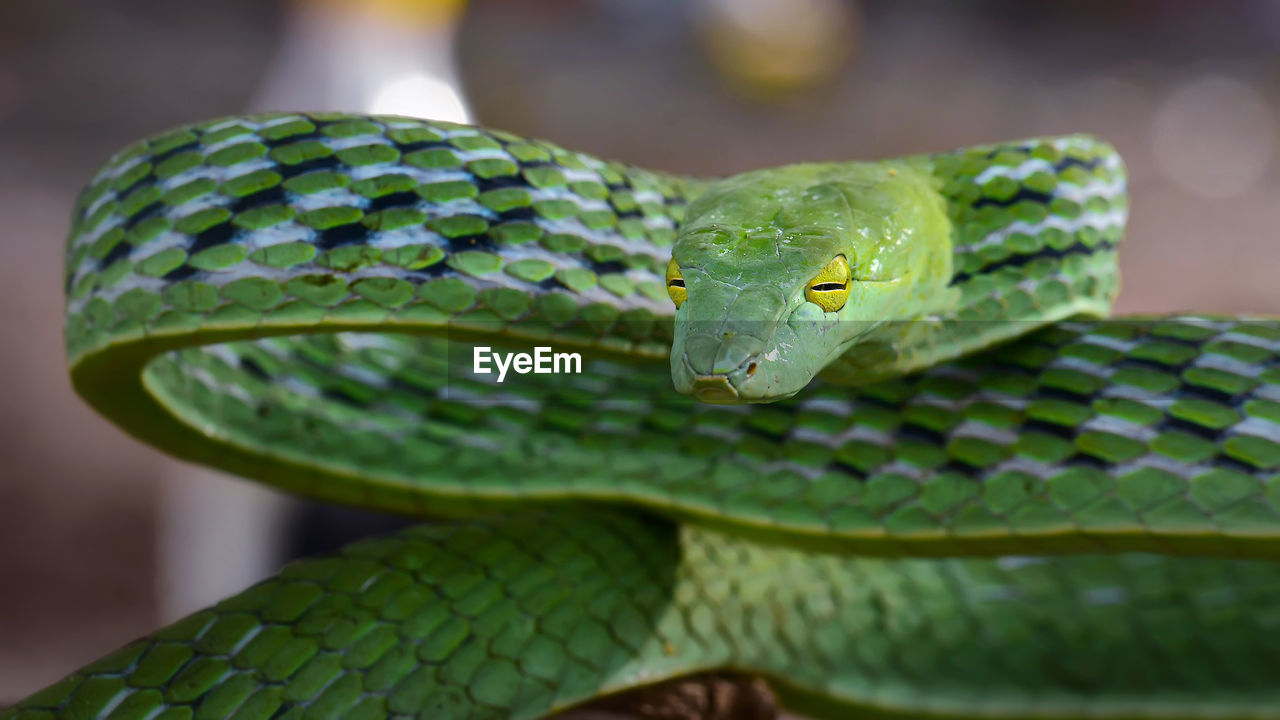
x=928 y=478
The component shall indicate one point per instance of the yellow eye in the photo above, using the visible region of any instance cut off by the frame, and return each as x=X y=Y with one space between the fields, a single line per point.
x=829 y=290
x=675 y=284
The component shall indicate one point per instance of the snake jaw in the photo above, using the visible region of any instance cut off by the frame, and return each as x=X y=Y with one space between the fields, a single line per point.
x=721 y=386
x=715 y=390
x=734 y=387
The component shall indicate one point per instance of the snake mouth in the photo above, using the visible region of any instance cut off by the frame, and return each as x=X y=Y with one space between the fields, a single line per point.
x=715 y=389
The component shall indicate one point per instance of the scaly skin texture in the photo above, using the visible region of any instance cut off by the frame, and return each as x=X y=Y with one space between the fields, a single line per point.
x=294 y=298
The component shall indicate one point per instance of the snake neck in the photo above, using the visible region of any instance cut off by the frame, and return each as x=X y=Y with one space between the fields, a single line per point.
x=1035 y=227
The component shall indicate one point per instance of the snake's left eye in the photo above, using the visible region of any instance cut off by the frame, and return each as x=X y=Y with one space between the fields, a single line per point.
x=829 y=289
x=675 y=284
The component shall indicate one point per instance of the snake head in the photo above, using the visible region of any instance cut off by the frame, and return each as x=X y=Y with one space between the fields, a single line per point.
x=777 y=272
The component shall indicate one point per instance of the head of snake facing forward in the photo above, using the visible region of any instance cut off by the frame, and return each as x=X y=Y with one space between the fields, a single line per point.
x=776 y=273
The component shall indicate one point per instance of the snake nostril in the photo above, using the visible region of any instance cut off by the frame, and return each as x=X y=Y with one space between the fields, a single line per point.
x=751 y=369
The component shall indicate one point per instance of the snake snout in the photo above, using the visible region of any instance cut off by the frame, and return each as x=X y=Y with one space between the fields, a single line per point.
x=721 y=354
x=736 y=352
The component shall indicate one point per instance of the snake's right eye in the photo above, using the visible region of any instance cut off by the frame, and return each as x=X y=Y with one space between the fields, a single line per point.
x=829 y=290
x=675 y=284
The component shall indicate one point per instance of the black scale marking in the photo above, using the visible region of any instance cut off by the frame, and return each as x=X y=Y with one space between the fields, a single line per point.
x=1064 y=432
x=161 y=157
x=394 y=200
x=911 y=431
x=1018 y=261
x=1190 y=428
x=610 y=266
x=480 y=241
x=219 y=234
x=350 y=234
x=328 y=162
x=119 y=252
x=182 y=272
x=262 y=198
x=145 y=213
x=1023 y=193
x=518 y=214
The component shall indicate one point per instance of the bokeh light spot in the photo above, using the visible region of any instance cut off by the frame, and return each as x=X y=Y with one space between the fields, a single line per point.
x=1214 y=136
x=421 y=96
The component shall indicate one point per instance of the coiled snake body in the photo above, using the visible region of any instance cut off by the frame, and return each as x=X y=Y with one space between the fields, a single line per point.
x=992 y=503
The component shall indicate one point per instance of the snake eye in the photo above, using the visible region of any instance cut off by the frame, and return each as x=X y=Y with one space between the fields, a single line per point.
x=829 y=290
x=675 y=284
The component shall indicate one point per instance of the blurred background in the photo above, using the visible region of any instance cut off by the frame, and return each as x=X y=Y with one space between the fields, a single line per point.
x=101 y=539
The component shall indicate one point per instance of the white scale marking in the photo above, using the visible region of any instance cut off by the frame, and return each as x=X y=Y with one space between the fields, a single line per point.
x=1016 y=172
x=1081 y=365
x=1120 y=426
x=1101 y=221
x=830 y=406
x=363 y=375
x=1014 y=562
x=298 y=386
x=983 y=431
x=1105 y=596
x=1156 y=461
x=1258 y=427
x=1111 y=343
x=1254 y=340
x=857 y=432
x=1229 y=364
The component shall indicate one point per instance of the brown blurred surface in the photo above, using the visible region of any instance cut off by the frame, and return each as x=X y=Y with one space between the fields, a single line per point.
x=78 y=499
x=621 y=79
